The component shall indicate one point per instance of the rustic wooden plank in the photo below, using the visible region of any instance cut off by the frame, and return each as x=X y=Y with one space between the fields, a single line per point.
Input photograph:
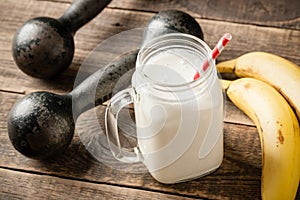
x=112 y=21
x=279 y=13
x=20 y=185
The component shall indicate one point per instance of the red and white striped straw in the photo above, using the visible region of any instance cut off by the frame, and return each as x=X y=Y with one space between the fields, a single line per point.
x=215 y=53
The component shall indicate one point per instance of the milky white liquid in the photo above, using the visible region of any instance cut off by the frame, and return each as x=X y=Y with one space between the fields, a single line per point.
x=180 y=133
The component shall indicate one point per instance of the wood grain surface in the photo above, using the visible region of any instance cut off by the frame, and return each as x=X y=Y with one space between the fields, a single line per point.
x=265 y=25
x=279 y=13
x=31 y=185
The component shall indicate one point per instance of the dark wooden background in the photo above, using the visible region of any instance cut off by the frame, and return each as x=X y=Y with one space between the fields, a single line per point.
x=256 y=25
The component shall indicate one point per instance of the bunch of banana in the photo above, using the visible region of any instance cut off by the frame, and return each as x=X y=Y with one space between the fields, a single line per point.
x=276 y=122
x=282 y=74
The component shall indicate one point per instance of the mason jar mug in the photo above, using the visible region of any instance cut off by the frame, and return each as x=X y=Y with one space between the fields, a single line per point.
x=179 y=120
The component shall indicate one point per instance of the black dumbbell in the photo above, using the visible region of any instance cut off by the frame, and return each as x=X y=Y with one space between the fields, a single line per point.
x=44 y=47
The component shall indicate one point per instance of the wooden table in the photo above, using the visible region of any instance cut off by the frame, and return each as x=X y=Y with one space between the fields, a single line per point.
x=265 y=25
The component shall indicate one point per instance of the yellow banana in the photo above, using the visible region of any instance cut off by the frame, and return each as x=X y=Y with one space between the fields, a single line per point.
x=277 y=71
x=279 y=135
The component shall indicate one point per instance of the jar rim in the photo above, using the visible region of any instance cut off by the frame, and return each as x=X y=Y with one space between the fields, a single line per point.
x=154 y=45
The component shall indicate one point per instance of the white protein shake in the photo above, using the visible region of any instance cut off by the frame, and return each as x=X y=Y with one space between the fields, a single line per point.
x=179 y=129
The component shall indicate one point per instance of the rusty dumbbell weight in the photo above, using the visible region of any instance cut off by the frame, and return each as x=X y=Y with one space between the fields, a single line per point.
x=44 y=47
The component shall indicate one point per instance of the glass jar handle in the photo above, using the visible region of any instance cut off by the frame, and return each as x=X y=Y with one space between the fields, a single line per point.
x=117 y=103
